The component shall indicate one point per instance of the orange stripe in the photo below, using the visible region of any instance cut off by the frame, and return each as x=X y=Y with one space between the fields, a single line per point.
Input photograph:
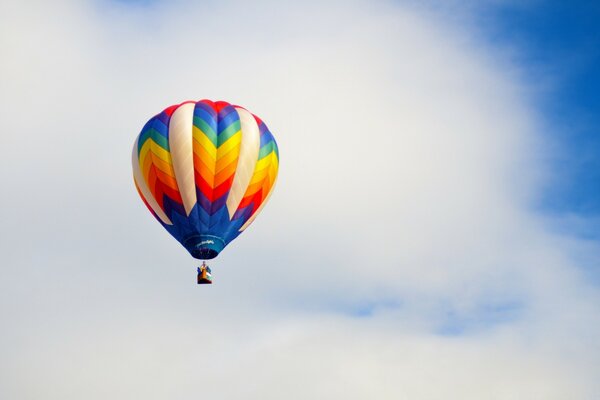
x=252 y=189
x=226 y=159
x=270 y=178
x=204 y=155
x=225 y=173
x=152 y=186
x=203 y=171
x=167 y=180
x=265 y=189
x=163 y=166
x=146 y=167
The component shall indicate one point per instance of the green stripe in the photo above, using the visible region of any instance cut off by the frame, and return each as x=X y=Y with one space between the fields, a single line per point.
x=228 y=132
x=159 y=139
x=206 y=129
x=265 y=150
x=154 y=135
x=142 y=139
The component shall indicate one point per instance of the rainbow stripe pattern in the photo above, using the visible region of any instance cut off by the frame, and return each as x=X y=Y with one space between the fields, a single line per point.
x=205 y=170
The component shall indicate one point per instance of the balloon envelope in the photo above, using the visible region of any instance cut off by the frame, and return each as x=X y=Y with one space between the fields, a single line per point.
x=205 y=170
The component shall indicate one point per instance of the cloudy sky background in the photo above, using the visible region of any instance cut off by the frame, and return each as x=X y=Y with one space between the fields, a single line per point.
x=433 y=234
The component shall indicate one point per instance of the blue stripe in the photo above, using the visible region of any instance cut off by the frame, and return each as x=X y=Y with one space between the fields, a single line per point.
x=207 y=108
x=201 y=112
x=161 y=124
x=227 y=116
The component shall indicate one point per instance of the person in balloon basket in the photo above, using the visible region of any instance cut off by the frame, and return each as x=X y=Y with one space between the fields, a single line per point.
x=204 y=274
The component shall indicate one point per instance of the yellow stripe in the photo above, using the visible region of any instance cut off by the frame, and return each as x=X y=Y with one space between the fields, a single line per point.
x=272 y=170
x=144 y=152
x=204 y=141
x=160 y=152
x=163 y=166
x=261 y=168
x=151 y=145
x=233 y=141
x=208 y=176
x=259 y=176
x=227 y=159
x=265 y=180
x=266 y=168
x=203 y=155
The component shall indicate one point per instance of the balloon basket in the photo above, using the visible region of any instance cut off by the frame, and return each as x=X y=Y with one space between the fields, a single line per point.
x=204 y=276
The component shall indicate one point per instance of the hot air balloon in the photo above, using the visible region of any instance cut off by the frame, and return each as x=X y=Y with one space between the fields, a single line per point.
x=205 y=170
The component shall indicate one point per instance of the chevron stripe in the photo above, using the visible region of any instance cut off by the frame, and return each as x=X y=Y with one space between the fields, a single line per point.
x=156 y=164
x=249 y=150
x=263 y=179
x=205 y=169
x=258 y=210
x=225 y=174
x=216 y=142
x=142 y=186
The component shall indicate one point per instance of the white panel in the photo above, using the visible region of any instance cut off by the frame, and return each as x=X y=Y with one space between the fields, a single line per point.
x=141 y=182
x=249 y=149
x=182 y=153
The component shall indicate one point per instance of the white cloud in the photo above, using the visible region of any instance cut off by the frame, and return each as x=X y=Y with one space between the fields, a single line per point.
x=399 y=256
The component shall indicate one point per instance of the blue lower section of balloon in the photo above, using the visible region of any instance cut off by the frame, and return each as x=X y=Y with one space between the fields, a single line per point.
x=204 y=247
x=204 y=238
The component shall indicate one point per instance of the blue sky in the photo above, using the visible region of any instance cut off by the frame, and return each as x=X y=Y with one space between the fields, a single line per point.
x=558 y=43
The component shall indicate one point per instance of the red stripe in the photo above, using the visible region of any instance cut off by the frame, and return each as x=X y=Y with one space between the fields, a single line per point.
x=173 y=195
x=152 y=185
x=257 y=200
x=223 y=188
x=159 y=189
x=170 y=110
x=204 y=187
x=208 y=103
x=245 y=202
x=219 y=105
